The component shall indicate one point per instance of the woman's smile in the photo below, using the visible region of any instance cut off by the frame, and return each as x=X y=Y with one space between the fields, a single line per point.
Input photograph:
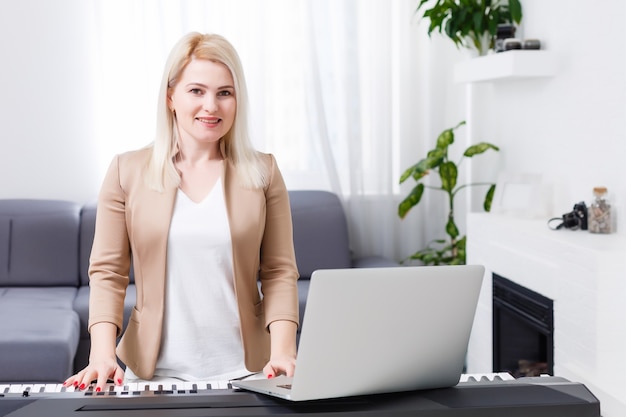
x=209 y=121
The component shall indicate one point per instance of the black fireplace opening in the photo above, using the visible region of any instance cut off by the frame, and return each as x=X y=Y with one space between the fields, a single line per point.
x=523 y=330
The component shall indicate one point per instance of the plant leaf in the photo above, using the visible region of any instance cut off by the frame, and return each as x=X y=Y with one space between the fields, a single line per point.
x=435 y=154
x=434 y=158
x=445 y=139
x=408 y=172
x=422 y=168
x=478 y=22
x=515 y=7
x=493 y=21
x=451 y=228
x=448 y=173
x=489 y=198
x=411 y=200
x=417 y=171
x=479 y=148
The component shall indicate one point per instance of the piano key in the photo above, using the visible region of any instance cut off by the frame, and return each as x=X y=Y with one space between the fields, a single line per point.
x=188 y=385
x=16 y=388
x=221 y=385
x=153 y=386
x=71 y=388
x=4 y=388
x=492 y=376
x=209 y=385
x=204 y=385
x=120 y=388
x=37 y=388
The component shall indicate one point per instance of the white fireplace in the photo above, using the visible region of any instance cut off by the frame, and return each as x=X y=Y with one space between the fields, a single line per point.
x=585 y=275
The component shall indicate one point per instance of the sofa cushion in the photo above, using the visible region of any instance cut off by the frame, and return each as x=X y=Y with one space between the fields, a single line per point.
x=39 y=242
x=38 y=334
x=38 y=345
x=17 y=299
x=320 y=231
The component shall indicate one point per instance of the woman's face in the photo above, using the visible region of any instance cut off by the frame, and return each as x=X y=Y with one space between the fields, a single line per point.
x=204 y=102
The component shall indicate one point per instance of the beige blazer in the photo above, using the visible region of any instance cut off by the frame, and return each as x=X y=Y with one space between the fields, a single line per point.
x=131 y=218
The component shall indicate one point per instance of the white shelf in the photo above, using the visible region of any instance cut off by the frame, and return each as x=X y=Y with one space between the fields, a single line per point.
x=506 y=65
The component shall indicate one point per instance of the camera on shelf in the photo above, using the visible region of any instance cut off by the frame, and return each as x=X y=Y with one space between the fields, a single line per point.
x=575 y=219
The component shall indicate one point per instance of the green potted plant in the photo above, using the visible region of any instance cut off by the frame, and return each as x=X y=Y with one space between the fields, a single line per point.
x=470 y=23
x=442 y=251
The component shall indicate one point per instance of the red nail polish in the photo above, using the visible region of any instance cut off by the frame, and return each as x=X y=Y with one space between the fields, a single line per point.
x=119 y=381
x=270 y=376
x=98 y=389
x=82 y=386
x=65 y=383
x=75 y=383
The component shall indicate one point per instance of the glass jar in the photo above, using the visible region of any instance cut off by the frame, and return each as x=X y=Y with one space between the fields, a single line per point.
x=599 y=213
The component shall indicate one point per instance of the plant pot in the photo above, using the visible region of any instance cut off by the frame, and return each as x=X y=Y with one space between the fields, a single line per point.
x=480 y=44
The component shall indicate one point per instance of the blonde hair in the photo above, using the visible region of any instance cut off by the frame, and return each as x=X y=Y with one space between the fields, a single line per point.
x=235 y=145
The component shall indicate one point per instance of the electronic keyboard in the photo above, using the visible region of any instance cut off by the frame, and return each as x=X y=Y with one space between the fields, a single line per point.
x=159 y=388
x=476 y=395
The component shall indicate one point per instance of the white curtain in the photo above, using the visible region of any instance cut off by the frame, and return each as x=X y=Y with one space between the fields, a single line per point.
x=345 y=93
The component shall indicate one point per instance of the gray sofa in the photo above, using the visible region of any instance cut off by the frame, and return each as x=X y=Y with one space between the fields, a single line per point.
x=44 y=286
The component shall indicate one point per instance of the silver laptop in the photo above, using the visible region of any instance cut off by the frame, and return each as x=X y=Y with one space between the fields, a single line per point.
x=379 y=330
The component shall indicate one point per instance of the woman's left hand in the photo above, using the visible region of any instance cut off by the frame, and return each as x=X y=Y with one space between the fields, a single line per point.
x=280 y=365
x=283 y=352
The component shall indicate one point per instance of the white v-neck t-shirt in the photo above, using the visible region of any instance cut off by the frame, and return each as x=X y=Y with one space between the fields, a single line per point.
x=201 y=329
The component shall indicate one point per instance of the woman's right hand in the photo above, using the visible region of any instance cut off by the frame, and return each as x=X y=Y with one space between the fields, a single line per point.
x=103 y=365
x=99 y=370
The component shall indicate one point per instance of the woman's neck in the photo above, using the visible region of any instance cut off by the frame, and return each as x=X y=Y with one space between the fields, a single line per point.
x=198 y=155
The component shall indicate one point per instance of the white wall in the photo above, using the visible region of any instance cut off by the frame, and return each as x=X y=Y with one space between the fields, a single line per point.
x=569 y=127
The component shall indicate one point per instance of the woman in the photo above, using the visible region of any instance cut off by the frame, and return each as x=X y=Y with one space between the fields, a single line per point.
x=204 y=216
